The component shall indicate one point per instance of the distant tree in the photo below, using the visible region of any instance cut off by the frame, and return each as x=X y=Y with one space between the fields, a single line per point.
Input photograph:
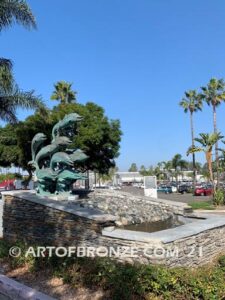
x=207 y=142
x=183 y=165
x=214 y=95
x=98 y=136
x=191 y=103
x=167 y=166
x=150 y=171
x=108 y=176
x=63 y=92
x=142 y=170
x=198 y=166
x=25 y=132
x=222 y=159
x=133 y=168
x=158 y=173
x=9 y=151
x=175 y=162
x=178 y=164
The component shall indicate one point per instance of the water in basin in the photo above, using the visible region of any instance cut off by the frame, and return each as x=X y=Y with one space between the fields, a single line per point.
x=155 y=226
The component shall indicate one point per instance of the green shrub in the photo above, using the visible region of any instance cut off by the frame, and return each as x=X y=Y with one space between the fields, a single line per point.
x=10 y=176
x=126 y=281
x=4 y=248
x=221 y=262
x=218 y=197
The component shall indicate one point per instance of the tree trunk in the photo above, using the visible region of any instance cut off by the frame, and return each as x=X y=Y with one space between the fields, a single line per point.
x=87 y=186
x=216 y=145
x=26 y=181
x=208 y=155
x=193 y=154
x=95 y=179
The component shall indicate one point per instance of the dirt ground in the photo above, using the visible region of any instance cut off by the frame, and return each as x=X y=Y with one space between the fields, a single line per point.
x=52 y=286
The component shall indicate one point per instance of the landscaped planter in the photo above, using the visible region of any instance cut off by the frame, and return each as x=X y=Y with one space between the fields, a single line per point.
x=42 y=221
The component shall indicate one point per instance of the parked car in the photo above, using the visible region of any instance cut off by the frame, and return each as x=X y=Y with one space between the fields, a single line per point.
x=184 y=188
x=167 y=189
x=206 y=190
x=174 y=188
x=7 y=184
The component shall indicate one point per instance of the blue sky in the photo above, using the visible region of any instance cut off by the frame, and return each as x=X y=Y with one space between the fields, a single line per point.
x=134 y=58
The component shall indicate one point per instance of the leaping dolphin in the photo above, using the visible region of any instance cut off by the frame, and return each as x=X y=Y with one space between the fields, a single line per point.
x=66 y=122
x=37 y=141
x=47 y=151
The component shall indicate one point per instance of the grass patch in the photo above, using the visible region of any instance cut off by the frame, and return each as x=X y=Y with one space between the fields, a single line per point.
x=208 y=205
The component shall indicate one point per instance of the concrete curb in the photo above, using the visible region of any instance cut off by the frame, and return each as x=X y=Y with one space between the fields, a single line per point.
x=213 y=211
x=17 y=291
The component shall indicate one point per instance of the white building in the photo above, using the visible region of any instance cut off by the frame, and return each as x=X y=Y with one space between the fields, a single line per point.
x=127 y=178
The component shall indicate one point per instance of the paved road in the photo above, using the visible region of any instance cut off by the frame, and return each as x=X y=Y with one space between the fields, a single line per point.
x=186 y=198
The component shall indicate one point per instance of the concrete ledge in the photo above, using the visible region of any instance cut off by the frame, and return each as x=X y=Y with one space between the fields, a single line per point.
x=88 y=213
x=14 y=290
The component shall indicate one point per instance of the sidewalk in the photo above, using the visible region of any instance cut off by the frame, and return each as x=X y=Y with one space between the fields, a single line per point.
x=13 y=290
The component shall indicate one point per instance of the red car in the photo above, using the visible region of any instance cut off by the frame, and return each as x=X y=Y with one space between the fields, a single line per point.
x=204 y=191
x=7 y=184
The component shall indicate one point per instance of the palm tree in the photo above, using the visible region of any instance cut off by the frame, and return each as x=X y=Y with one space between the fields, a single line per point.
x=14 y=11
x=207 y=142
x=142 y=170
x=175 y=162
x=167 y=168
x=13 y=98
x=183 y=165
x=6 y=76
x=222 y=159
x=191 y=103
x=18 y=11
x=214 y=95
x=63 y=92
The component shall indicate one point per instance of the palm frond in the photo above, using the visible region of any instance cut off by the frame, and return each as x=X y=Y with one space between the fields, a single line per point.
x=16 y=11
x=9 y=102
x=214 y=92
x=63 y=92
x=7 y=110
x=194 y=149
x=209 y=140
x=6 y=63
x=191 y=102
x=6 y=75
